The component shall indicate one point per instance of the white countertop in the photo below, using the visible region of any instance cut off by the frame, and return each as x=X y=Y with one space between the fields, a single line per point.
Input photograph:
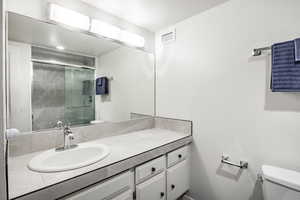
x=22 y=180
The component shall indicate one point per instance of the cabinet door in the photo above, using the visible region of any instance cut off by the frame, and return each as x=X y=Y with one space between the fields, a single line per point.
x=125 y=196
x=178 y=179
x=108 y=189
x=153 y=189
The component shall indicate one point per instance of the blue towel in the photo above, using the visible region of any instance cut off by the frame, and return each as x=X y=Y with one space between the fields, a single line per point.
x=102 y=86
x=297 y=49
x=285 y=70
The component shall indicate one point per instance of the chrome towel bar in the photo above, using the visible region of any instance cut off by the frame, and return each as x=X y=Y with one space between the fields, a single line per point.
x=242 y=164
x=259 y=51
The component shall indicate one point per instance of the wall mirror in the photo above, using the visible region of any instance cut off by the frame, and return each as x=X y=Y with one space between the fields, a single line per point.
x=55 y=74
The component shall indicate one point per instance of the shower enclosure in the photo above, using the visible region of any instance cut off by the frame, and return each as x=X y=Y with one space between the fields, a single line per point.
x=61 y=92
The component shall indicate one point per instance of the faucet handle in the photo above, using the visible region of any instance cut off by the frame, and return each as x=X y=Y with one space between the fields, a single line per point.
x=67 y=129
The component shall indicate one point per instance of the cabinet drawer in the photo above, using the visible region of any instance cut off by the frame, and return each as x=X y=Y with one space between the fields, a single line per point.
x=178 y=155
x=150 y=169
x=152 y=189
x=178 y=180
x=106 y=190
x=125 y=196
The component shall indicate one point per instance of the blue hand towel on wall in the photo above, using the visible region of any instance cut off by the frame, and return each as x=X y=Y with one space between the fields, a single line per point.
x=297 y=49
x=102 y=86
x=285 y=69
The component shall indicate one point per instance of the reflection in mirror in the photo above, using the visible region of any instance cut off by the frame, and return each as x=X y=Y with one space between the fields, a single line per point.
x=57 y=74
x=61 y=92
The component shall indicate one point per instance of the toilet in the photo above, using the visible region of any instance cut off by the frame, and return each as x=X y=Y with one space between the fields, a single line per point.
x=280 y=184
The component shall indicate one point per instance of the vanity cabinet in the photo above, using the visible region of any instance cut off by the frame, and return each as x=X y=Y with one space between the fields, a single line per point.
x=177 y=156
x=152 y=189
x=119 y=187
x=150 y=169
x=178 y=173
x=178 y=179
x=164 y=178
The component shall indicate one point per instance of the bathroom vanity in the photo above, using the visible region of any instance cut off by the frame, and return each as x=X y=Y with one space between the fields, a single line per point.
x=149 y=163
x=153 y=180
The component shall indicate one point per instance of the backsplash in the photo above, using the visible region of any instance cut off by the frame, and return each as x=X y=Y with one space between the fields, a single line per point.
x=177 y=125
x=38 y=141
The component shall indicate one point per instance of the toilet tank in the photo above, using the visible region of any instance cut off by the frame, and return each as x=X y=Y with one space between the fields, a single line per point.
x=280 y=184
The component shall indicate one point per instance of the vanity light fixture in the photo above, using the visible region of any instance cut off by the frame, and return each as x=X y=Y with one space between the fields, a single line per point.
x=61 y=48
x=69 y=17
x=113 y=32
x=105 y=29
x=132 y=39
x=83 y=22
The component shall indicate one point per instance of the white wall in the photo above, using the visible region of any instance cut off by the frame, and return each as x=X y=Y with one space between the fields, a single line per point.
x=132 y=87
x=209 y=76
x=38 y=9
x=19 y=71
x=3 y=184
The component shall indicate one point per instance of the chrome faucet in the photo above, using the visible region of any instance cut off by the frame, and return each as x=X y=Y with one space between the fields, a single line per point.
x=68 y=136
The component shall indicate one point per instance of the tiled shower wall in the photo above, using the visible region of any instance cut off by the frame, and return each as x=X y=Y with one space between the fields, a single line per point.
x=48 y=96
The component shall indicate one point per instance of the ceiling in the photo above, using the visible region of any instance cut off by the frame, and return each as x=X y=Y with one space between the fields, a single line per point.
x=154 y=14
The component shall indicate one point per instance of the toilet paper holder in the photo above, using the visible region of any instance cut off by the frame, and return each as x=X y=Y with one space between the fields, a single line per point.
x=242 y=165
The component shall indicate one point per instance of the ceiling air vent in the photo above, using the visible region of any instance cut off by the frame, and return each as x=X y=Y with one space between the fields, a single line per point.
x=168 y=37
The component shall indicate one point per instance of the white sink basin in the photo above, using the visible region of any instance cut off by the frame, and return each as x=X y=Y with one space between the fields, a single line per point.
x=57 y=161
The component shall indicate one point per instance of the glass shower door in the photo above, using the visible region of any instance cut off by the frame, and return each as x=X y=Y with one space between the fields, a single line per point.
x=62 y=93
x=79 y=95
x=47 y=95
